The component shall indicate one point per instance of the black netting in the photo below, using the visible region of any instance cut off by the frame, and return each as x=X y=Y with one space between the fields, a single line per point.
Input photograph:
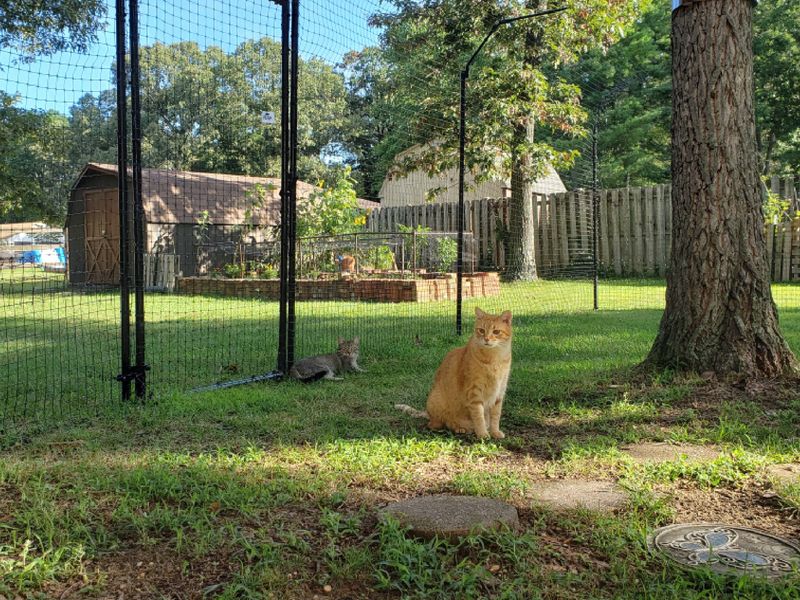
x=566 y=208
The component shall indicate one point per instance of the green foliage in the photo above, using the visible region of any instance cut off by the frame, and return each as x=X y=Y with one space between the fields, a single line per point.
x=368 y=84
x=419 y=569
x=777 y=72
x=33 y=181
x=448 y=253
x=33 y=27
x=430 y=42
x=332 y=209
x=233 y=270
x=777 y=209
x=442 y=250
x=379 y=257
x=627 y=88
x=201 y=110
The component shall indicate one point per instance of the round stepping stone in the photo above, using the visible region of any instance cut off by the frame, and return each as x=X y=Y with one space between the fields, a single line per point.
x=656 y=452
x=452 y=516
x=726 y=549
x=577 y=493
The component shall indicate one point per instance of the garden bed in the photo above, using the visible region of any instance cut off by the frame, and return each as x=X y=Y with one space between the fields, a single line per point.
x=476 y=285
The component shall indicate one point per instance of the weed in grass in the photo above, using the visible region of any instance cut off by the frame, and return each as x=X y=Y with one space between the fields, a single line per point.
x=438 y=569
x=501 y=484
x=27 y=566
x=728 y=469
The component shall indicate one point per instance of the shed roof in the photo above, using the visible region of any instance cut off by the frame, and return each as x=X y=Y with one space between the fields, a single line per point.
x=182 y=196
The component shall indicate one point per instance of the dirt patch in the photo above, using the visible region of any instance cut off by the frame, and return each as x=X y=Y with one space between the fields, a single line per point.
x=10 y=498
x=788 y=473
x=577 y=493
x=770 y=395
x=143 y=573
x=752 y=506
x=656 y=452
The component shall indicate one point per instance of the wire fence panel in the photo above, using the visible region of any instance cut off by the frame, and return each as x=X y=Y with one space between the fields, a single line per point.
x=566 y=199
x=210 y=89
x=59 y=346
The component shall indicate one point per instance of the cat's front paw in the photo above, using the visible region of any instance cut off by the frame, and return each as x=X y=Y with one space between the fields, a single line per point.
x=482 y=435
x=498 y=435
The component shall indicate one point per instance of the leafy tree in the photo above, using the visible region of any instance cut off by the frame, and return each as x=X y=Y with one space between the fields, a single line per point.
x=369 y=89
x=38 y=27
x=201 y=110
x=777 y=69
x=93 y=129
x=331 y=210
x=428 y=42
x=33 y=180
x=627 y=90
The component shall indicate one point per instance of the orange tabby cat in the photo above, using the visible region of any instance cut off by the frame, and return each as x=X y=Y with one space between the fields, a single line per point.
x=469 y=387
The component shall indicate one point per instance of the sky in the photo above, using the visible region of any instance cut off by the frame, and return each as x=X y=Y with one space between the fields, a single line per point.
x=328 y=29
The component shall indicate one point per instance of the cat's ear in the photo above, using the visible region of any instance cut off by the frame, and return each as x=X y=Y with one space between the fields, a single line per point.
x=506 y=317
x=479 y=313
x=340 y=341
x=355 y=340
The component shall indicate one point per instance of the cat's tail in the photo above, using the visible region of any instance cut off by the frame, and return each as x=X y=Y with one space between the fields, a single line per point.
x=307 y=379
x=417 y=414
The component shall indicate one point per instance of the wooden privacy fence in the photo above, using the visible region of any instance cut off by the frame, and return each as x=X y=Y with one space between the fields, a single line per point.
x=634 y=231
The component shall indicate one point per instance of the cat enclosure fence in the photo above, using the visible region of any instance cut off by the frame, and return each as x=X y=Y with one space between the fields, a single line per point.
x=256 y=182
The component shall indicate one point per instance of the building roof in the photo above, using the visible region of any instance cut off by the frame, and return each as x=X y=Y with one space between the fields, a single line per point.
x=183 y=196
x=413 y=187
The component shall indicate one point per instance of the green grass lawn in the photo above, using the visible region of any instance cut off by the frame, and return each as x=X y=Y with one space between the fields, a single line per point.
x=272 y=490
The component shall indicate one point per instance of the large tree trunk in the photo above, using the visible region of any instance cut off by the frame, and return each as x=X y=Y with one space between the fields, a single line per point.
x=720 y=315
x=521 y=260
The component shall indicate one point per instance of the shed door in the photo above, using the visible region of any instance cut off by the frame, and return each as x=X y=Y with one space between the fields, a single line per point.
x=102 y=237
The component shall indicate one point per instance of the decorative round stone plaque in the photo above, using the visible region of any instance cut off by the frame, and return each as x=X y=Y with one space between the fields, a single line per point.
x=726 y=549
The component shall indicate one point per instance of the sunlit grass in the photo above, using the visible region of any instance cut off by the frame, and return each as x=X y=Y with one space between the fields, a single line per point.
x=281 y=484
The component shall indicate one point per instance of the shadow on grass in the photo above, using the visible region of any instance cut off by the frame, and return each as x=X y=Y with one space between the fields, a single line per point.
x=563 y=364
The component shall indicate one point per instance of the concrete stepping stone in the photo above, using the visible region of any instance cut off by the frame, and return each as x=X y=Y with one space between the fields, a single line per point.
x=570 y=494
x=452 y=516
x=788 y=473
x=657 y=452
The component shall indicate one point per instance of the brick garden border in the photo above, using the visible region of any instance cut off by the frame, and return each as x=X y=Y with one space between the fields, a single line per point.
x=475 y=285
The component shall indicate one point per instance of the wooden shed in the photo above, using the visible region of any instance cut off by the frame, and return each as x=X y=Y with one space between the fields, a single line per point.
x=195 y=216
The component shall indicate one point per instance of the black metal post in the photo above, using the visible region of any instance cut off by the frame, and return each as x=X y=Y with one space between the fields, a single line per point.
x=140 y=370
x=122 y=183
x=292 y=287
x=595 y=217
x=462 y=134
x=462 y=142
x=284 y=229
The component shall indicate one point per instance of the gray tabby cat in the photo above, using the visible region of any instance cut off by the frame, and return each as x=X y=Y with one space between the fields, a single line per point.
x=327 y=366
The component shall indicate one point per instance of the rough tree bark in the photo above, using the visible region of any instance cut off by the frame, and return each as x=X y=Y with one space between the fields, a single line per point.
x=720 y=315
x=521 y=263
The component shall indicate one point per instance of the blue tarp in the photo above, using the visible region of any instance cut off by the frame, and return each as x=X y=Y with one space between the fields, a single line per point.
x=54 y=256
